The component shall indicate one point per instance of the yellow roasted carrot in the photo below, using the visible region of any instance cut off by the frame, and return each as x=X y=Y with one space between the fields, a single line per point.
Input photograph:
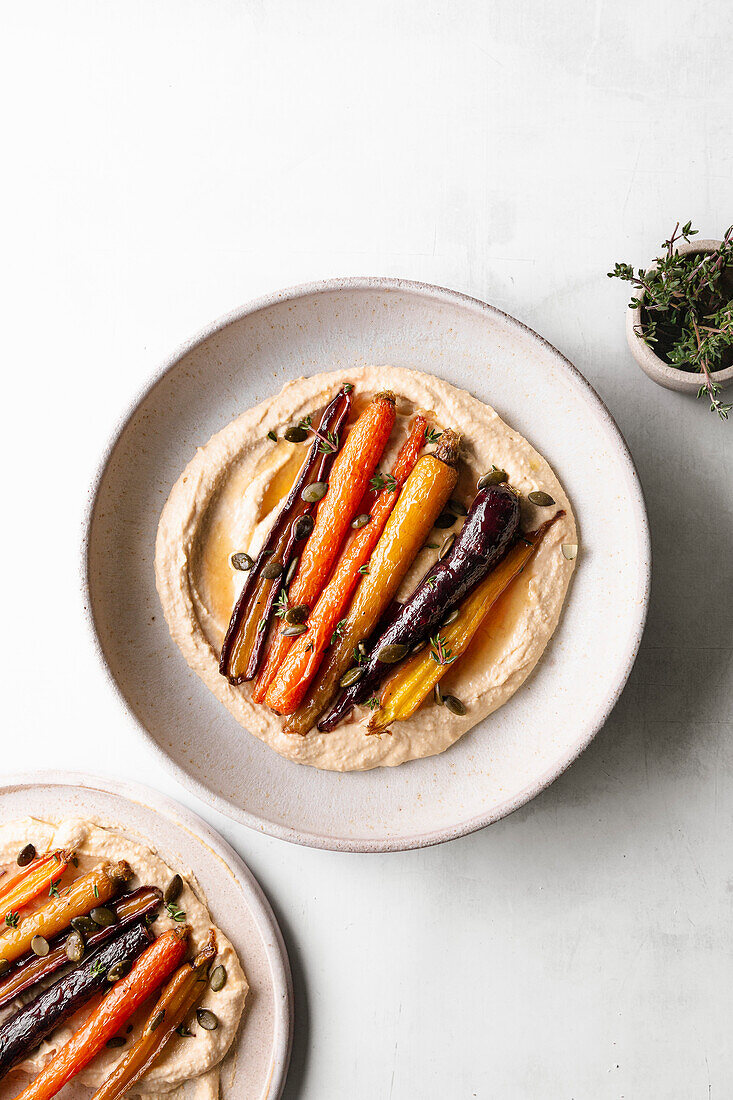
x=79 y=898
x=411 y=684
x=426 y=490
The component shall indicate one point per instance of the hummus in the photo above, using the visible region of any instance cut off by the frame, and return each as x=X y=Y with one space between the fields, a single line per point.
x=183 y=1059
x=229 y=495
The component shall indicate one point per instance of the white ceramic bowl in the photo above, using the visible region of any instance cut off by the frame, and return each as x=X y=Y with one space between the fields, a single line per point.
x=513 y=754
x=257 y=1063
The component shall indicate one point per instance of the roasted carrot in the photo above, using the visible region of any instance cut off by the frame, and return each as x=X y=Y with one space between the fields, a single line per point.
x=79 y=898
x=301 y=664
x=32 y=1023
x=183 y=991
x=425 y=492
x=488 y=531
x=246 y=636
x=411 y=684
x=33 y=880
x=347 y=484
x=32 y=968
x=125 y=996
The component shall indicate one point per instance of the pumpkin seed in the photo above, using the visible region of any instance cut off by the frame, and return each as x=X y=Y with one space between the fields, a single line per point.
x=26 y=855
x=117 y=971
x=543 y=500
x=242 y=561
x=456 y=508
x=570 y=550
x=103 y=916
x=291 y=571
x=495 y=476
x=303 y=527
x=296 y=616
x=418 y=648
x=39 y=946
x=156 y=1021
x=445 y=519
x=207 y=1019
x=116 y=1041
x=4 y=966
x=446 y=547
x=438 y=695
x=361 y=521
x=217 y=978
x=85 y=926
x=74 y=947
x=183 y=1031
x=315 y=492
x=173 y=890
x=272 y=571
x=351 y=676
x=391 y=654
x=451 y=618
x=296 y=435
x=362 y=648
x=455 y=706
x=294 y=630
x=271 y=435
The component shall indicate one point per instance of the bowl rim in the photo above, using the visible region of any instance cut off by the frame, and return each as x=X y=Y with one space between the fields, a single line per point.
x=200 y=789
x=183 y=817
x=652 y=364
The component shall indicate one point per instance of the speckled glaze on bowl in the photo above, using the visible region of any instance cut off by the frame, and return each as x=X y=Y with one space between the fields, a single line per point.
x=657 y=369
x=257 y=1063
x=516 y=752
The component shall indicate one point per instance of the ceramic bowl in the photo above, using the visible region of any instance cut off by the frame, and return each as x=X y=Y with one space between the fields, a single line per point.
x=657 y=369
x=504 y=760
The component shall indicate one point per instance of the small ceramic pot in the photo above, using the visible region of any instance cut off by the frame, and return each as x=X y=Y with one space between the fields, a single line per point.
x=657 y=369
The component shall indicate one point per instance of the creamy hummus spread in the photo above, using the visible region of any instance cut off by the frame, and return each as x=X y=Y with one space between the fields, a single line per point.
x=183 y=1059
x=229 y=495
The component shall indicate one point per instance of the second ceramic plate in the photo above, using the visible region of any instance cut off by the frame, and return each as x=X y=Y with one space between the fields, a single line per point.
x=518 y=750
x=256 y=1065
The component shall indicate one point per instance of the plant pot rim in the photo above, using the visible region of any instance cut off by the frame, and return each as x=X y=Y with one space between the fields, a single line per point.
x=657 y=369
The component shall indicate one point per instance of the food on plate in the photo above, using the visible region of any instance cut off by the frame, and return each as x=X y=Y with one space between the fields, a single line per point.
x=181 y=994
x=301 y=664
x=420 y=503
x=24 y=1030
x=71 y=944
x=421 y=674
x=322 y=664
x=245 y=638
x=77 y=1002
x=349 y=479
x=487 y=533
x=37 y=877
x=85 y=893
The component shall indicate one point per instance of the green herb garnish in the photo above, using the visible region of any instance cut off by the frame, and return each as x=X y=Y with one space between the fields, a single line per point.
x=686 y=305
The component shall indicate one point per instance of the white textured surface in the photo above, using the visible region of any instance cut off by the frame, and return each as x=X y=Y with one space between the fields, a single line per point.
x=166 y=162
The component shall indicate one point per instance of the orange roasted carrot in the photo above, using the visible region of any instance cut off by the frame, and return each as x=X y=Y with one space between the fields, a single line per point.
x=33 y=881
x=301 y=663
x=347 y=484
x=125 y=996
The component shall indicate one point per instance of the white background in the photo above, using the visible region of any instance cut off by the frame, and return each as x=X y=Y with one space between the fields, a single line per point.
x=165 y=162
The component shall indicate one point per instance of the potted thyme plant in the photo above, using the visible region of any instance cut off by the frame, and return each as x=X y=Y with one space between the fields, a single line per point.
x=680 y=321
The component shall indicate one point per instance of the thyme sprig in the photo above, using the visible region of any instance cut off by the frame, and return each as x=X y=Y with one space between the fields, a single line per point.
x=281 y=604
x=440 y=652
x=686 y=305
x=327 y=441
x=383 y=481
